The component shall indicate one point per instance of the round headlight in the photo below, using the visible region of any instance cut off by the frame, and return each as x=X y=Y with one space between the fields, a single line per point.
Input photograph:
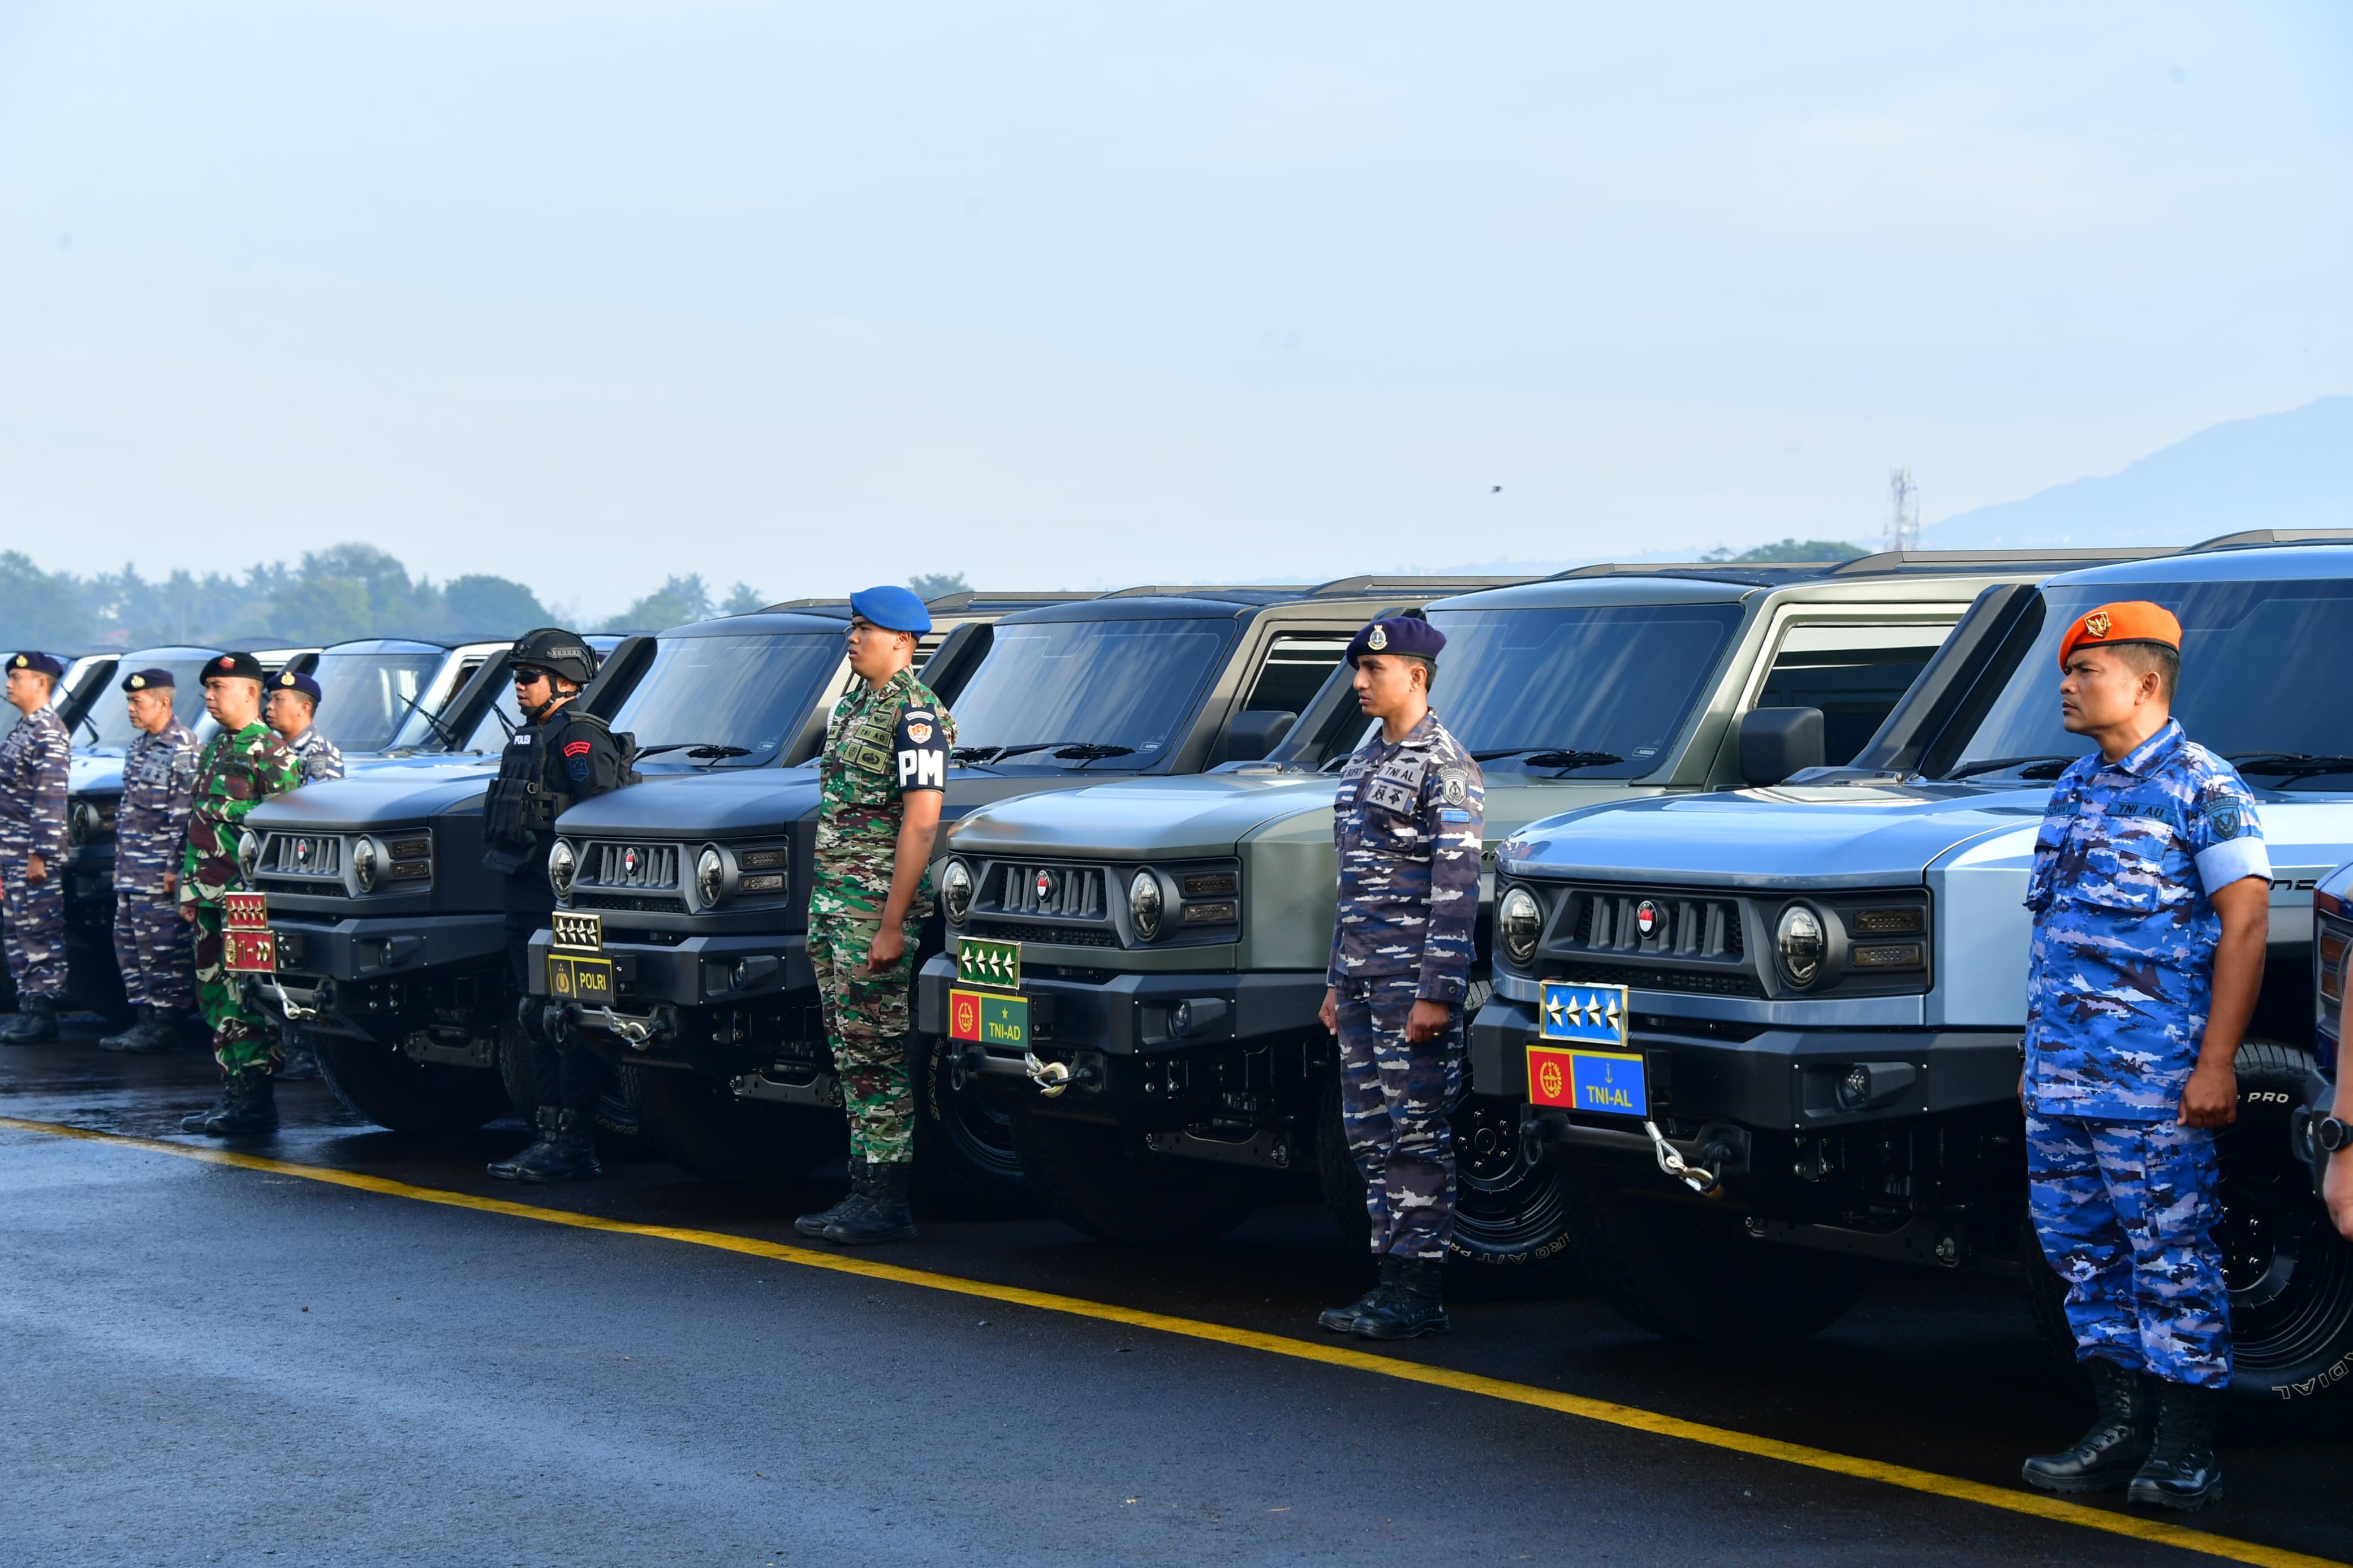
x=1519 y=920
x=248 y=852
x=710 y=876
x=563 y=865
x=956 y=891
x=1799 y=939
x=364 y=857
x=1144 y=904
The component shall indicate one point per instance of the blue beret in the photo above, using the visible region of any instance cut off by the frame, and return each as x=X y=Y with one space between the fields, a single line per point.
x=1407 y=635
x=892 y=607
x=290 y=681
x=39 y=663
x=148 y=681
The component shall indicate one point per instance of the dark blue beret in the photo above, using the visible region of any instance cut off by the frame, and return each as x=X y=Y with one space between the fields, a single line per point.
x=39 y=663
x=289 y=680
x=148 y=681
x=892 y=607
x=1407 y=635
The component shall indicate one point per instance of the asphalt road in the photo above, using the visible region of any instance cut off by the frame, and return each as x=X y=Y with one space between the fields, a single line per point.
x=210 y=1363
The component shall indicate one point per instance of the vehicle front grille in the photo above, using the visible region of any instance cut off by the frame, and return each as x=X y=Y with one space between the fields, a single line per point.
x=1021 y=931
x=1070 y=892
x=636 y=874
x=1681 y=926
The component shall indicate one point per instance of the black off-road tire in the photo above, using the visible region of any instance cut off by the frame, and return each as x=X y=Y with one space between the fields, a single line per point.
x=700 y=1126
x=1689 y=1273
x=964 y=1159
x=380 y=1084
x=1510 y=1219
x=1103 y=1182
x=2291 y=1275
x=514 y=1070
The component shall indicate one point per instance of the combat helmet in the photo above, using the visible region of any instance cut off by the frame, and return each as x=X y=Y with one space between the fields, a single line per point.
x=557 y=651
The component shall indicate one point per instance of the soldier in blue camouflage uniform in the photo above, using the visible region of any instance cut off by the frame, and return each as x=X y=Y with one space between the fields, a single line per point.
x=34 y=759
x=2150 y=891
x=292 y=710
x=883 y=778
x=150 y=945
x=1408 y=822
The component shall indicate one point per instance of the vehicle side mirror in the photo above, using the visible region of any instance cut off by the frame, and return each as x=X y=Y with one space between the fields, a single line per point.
x=1777 y=742
x=1253 y=733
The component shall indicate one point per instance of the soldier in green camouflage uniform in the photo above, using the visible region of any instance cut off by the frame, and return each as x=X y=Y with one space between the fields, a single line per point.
x=242 y=766
x=883 y=776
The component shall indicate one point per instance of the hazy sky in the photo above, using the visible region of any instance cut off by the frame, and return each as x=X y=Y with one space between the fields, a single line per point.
x=587 y=294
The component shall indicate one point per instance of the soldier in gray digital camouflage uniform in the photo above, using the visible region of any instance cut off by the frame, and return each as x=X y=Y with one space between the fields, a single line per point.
x=291 y=708
x=33 y=765
x=1408 y=822
x=151 y=944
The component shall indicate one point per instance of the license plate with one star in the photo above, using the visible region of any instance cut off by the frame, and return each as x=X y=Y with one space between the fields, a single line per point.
x=988 y=1020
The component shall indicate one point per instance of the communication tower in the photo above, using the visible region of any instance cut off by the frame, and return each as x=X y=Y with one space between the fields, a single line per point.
x=1903 y=509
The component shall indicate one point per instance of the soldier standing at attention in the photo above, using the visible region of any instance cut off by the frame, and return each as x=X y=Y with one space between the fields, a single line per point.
x=561 y=755
x=883 y=777
x=1408 y=821
x=32 y=761
x=159 y=778
x=2151 y=896
x=293 y=707
x=242 y=766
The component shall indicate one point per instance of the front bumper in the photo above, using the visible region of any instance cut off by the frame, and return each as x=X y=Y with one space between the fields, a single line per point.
x=721 y=1005
x=380 y=979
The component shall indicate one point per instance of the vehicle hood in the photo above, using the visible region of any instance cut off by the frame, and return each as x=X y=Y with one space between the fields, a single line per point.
x=750 y=800
x=1823 y=837
x=1205 y=814
x=94 y=775
x=381 y=797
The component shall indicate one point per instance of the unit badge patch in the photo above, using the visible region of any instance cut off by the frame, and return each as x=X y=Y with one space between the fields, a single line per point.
x=921 y=734
x=2223 y=815
x=1454 y=784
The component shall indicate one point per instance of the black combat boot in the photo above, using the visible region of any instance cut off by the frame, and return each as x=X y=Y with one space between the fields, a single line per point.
x=301 y=1056
x=1343 y=1320
x=202 y=1120
x=1415 y=1306
x=143 y=1028
x=511 y=1168
x=2182 y=1471
x=2104 y=1458
x=35 y=1021
x=570 y=1155
x=252 y=1101
x=853 y=1203
x=886 y=1216
x=157 y=1031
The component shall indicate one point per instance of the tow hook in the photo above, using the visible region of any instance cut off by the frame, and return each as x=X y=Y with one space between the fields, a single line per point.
x=293 y=1010
x=633 y=1033
x=1702 y=1181
x=1054 y=1079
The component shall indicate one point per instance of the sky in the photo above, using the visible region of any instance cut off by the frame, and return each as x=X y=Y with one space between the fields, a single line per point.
x=590 y=292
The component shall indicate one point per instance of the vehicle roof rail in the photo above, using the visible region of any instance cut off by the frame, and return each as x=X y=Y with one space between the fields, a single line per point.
x=1203 y=590
x=821 y=607
x=1413 y=583
x=966 y=598
x=1960 y=560
x=1689 y=568
x=2264 y=538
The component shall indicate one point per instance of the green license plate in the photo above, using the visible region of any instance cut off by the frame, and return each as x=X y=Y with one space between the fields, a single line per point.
x=980 y=962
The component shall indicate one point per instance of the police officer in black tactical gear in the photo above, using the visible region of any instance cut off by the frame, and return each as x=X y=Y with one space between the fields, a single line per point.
x=559 y=756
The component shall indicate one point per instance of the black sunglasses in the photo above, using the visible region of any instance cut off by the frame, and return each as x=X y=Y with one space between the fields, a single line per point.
x=525 y=674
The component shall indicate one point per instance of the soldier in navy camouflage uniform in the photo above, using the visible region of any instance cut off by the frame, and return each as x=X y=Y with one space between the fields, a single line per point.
x=2150 y=889
x=293 y=709
x=151 y=944
x=34 y=760
x=1408 y=822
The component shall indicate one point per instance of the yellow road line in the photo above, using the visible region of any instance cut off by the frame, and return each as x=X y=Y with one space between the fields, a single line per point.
x=1602 y=1410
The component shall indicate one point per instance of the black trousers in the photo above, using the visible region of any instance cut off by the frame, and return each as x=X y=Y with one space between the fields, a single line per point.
x=567 y=1073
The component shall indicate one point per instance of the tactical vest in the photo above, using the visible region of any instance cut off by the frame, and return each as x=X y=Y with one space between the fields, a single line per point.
x=532 y=788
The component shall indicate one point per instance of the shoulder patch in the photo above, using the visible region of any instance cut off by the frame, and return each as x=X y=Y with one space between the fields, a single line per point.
x=1454 y=786
x=2223 y=815
x=577 y=748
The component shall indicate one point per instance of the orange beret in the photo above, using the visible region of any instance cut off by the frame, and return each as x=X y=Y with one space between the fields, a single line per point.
x=2134 y=620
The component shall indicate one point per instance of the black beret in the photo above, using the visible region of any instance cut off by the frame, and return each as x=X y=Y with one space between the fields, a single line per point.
x=148 y=681
x=229 y=665
x=39 y=663
x=289 y=680
x=1409 y=635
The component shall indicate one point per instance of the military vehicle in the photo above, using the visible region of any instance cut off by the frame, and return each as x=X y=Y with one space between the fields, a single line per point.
x=1172 y=1055
x=2332 y=947
x=696 y=891
x=1826 y=986
x=392 y=934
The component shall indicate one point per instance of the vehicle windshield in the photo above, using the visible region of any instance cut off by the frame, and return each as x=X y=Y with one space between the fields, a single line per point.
x=1559 y=690
x=111 y=716
x=365 y=696
x=1113 y=694
x=2241 y=645
x=749 y=692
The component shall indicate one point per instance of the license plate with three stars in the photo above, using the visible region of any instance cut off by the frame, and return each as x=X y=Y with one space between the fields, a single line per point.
x=1580 y=1060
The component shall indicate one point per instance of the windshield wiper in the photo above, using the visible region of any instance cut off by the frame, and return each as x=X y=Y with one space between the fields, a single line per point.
x=1088 y=750
x=432 y=721
x=2028 y=767
x=695 y=749
x=970 y=755
x=1546 y=757
x=2289 y=765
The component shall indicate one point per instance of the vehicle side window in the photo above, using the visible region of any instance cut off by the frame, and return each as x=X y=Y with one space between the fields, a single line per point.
x=1295 y=667
x=1853 y=674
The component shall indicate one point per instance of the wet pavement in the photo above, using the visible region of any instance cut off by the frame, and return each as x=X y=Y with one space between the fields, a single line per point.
x=210 y=1364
